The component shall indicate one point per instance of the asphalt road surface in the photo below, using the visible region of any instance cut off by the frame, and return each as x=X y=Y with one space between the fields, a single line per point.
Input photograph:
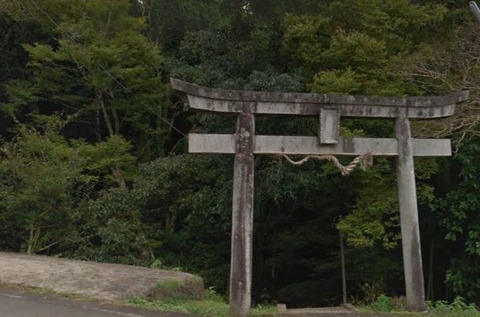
x=19 y=304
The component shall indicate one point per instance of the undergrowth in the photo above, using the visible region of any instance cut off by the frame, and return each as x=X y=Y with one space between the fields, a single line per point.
x=457 y=308
x=212 y=305
x=215 y=306
x=397 y=307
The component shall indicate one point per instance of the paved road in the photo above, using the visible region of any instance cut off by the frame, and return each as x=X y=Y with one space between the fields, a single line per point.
x=19 y=304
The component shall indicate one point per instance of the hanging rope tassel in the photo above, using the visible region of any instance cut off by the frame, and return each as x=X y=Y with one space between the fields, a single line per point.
x=304 y=160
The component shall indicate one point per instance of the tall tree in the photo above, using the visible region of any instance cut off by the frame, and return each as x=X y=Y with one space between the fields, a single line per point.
x=100 y=69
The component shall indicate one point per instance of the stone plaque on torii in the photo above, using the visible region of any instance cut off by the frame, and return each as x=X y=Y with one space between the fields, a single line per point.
x=329 y=109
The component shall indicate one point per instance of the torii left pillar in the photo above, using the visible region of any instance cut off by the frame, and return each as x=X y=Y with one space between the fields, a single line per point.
x=242 y=214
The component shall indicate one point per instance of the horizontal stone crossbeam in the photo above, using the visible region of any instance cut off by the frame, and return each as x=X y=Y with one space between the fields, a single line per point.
x=306 y=145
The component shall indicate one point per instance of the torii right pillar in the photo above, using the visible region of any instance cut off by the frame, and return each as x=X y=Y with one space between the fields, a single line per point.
x=407 y=197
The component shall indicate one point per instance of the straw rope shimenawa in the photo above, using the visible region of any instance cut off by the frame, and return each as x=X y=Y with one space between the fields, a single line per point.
x=365 y=161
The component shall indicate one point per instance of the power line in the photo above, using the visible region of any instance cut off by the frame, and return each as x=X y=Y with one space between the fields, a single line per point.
x=71 y=39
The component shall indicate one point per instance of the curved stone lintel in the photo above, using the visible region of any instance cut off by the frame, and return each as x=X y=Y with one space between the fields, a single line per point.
x=219 y=100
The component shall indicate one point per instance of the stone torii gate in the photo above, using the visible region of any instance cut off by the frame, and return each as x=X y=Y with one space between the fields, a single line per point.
x=328 y=108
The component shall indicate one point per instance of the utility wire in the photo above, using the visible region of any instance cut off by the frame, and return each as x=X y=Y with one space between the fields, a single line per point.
x=70 y=37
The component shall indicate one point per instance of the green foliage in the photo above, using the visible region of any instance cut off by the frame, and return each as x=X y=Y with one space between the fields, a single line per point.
x=216 y=59
x=396 y=306
x=168 y=21
x=457 y=308
x=356 y=49
x=48 y=192
x=464 y=276
x=382 y=304
x=459 y=215
x=355 y=55
x=375 y=218
x=305 y=39
x=185 y=204
x=37 y=177
x=108 y=161
x=400 y=24
x=109 y=229
x=100 y=70
x=337 y=81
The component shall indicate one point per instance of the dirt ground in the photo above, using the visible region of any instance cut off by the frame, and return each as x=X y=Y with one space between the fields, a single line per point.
x=109 y=282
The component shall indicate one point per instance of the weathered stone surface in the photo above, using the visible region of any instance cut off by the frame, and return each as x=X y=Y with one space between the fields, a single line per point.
x=219 y=100
x=304 y=145
x=242 y=215
x=409 y=222
x=97 y=280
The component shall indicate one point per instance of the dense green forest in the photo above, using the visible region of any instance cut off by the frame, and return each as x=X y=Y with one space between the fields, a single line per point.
x=94 y=163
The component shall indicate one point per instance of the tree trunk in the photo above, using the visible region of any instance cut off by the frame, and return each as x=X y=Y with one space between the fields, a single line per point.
x=113 y=130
